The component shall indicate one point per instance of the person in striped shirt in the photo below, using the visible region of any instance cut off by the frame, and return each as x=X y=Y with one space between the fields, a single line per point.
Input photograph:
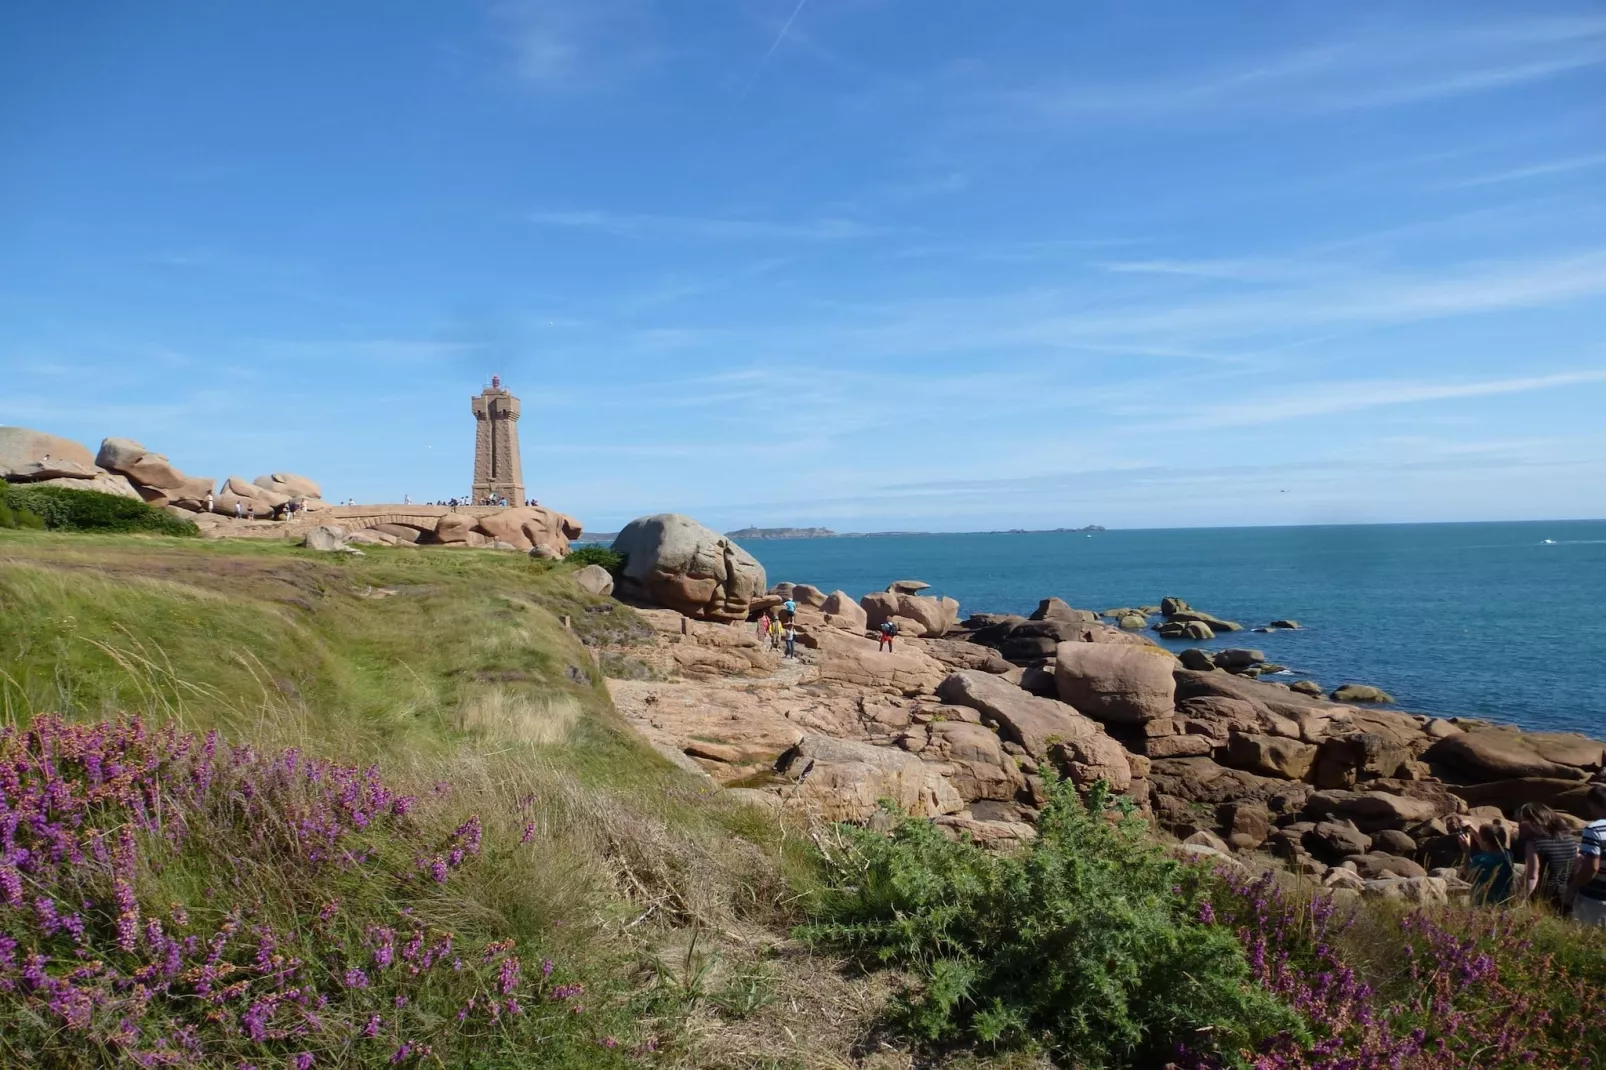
x=1589 y=878
x=1549 y=851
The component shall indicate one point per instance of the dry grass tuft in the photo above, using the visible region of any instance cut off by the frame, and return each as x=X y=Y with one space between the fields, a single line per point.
x=508 y=716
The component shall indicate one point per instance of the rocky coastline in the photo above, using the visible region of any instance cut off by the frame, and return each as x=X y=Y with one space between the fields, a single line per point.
x=958 y=721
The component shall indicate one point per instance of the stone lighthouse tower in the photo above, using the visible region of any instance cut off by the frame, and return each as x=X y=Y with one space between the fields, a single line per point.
x=497 y=471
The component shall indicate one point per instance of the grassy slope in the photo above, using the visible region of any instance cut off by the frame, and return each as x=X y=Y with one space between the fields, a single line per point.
x=445 y=667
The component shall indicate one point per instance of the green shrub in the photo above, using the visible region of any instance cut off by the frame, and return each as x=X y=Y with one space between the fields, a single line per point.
x=64 y=509
x=1085 y=945
x=16 y=516
x=593 y=554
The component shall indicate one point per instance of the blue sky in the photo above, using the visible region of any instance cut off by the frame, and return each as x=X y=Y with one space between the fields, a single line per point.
x=872 y=264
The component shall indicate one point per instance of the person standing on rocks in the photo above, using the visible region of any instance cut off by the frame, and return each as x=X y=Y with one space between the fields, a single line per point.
x=791 y=646
x=764 y=624
x=1549 y=853
x=239 y=509
x=775 y=634
x=1490 y=868
x=1589 y=879
x=789 y=607
x=209 y=502
x=888 y=632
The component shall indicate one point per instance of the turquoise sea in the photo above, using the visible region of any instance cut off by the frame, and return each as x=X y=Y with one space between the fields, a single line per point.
x=1505 y=621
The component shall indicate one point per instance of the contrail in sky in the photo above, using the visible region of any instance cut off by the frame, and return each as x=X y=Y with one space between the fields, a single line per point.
x=777 y=44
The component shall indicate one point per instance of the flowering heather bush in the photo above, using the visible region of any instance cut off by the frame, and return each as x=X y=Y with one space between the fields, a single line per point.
x=168 y=901
x=1459 y=988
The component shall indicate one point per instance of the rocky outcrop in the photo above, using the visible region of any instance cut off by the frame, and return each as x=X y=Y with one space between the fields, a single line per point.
x=917 y=615
x=841 y=611
x=841 y=780
x=980 y=770
x=456 y=529
x=1046 y=729
x=1362 y=693
x=1114 y=683
x=1059 y=609
x=675 y=562
x=22 y=448
x=857 y=662
x=42 y=460
x=1497 y=754
x=1177 y=611
x=153 y=475
x=535 y=528
x=289 y=485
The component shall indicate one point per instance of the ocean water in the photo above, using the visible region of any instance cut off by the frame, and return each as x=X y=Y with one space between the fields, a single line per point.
x=1481 y=620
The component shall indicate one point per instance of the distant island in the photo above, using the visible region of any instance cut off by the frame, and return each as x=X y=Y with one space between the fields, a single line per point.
x=781 y=533
x=755 y=533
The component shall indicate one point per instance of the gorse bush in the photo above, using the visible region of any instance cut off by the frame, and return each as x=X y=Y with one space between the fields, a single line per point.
x=65 y=509
x=1087 y=945
x=612 y=560
x=169 y=901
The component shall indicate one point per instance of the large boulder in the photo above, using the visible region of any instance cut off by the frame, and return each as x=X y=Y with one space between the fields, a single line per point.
x=455 y=529
x=807 y=594
x=325 y=537
x=841 y=611
x=1045 y=729
x=1484 y=754
x=22 y=448
x=100 y=482
x=535 y=527
x=1361 y=693
x=594 y=579
x=1059 y=609
x=675 y=562
x=1124 y=684
x=1332 y=841
x=1568 y=796
x=840 y=780
x=152 y=474
x=1343 y=760
x=1417 y=891
x=290 y=485
x=1275 y=756
x=1373 y=811
x=981 y=769
x=918 y=615
x=1201 y=780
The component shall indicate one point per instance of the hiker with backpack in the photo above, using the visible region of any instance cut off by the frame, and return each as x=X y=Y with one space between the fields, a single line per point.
x=888 y=632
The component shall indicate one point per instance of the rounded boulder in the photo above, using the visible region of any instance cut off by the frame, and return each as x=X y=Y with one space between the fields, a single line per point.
x=1110 y=682
x=675 y=562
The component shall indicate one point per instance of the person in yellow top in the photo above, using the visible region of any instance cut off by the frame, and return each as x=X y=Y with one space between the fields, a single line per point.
x=775 y=634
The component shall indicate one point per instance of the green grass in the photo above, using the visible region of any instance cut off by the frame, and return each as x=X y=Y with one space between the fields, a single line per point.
x=445 y=667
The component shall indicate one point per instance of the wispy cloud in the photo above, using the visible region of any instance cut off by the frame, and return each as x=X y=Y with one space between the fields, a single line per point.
x=1538 y=170
x=704 y=228
x=1331 y=398
x=574 y=44
x=1404 y=65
